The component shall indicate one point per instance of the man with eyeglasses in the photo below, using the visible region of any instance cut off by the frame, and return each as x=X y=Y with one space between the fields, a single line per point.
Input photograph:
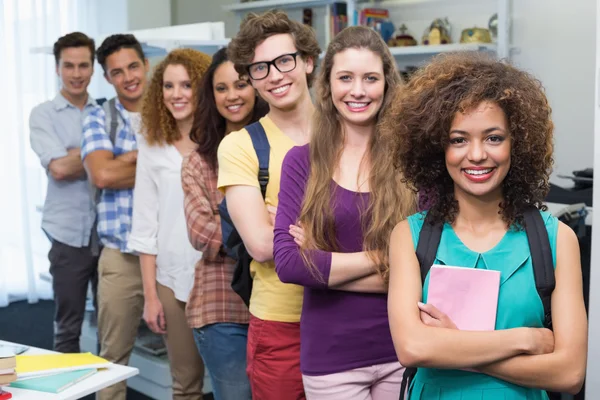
x=278 y=55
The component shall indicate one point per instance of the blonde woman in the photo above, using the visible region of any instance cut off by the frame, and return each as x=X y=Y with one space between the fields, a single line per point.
x=159 y=232
x=343 y=191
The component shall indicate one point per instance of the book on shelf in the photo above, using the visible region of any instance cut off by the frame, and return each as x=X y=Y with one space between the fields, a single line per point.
x=468 y=296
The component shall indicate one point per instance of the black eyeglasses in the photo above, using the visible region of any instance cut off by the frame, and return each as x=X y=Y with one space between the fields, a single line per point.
x=283 y=63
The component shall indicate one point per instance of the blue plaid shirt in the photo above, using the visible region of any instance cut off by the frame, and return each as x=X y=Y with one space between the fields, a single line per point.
x=115 y=208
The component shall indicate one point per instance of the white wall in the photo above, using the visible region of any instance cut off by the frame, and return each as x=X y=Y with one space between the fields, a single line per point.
x=557 y=43
x=190 y=11
x=593 y=368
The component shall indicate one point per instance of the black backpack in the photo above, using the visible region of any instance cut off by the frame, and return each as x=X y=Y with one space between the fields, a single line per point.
x=232 y=241
x=541 y=258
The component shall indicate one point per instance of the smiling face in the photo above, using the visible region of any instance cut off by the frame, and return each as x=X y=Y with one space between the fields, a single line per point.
x=126 y=71
x=478 y=155
x=357 y=85
x=234 y=97
x=282 y=90
x=75 y=68
x=178 y=94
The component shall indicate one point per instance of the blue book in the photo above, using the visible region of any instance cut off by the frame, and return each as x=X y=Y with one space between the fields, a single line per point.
x=54 y=383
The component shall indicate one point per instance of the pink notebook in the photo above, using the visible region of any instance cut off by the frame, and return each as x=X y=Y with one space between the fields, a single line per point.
x=469 y=296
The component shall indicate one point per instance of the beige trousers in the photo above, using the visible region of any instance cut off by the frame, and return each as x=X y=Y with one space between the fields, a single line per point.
x=120 y=308
x=187 y=368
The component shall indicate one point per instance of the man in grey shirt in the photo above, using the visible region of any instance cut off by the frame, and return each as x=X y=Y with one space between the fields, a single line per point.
x=69 y=211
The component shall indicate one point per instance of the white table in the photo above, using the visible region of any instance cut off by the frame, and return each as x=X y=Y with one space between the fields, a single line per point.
x=101 y=379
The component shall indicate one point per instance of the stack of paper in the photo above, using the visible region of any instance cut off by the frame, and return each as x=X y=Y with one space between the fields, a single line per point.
x=55 y=372
x=48 y=364
x=54 y=383
x=7 y=367
x=468 y=296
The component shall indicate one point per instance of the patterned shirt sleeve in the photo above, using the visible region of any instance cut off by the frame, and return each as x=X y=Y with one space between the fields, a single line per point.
x=203 y=221
x=94 y=133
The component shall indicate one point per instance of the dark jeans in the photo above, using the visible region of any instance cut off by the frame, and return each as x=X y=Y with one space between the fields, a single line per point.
x=222 y=346
x=72 y=268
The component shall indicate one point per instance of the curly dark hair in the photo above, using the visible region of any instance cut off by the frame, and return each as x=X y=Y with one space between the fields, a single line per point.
x=255 y=28
x=73 y=39
x=422 y=113
x=209 y=126
x=114 y=43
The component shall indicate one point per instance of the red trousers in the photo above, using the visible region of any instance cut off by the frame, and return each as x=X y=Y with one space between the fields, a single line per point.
x=274 y=360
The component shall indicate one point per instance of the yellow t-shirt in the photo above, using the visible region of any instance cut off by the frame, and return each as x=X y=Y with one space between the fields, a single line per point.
x=271 y=299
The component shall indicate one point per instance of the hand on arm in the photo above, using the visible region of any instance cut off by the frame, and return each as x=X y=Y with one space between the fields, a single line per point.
x=109 y=172
x=563 y=369
x=67 y=168
x=62 y=164
x=328 y=269
x=421 y=345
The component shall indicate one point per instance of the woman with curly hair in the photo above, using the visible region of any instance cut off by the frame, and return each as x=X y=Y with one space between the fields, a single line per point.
x=159 y=232
x=476 y=133
x=219 y=317
x=339 y=201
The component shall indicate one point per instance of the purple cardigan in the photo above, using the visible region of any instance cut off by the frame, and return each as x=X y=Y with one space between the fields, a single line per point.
x=339 y=330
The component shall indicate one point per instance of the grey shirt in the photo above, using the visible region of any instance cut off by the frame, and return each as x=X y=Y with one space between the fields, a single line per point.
x=69 y=212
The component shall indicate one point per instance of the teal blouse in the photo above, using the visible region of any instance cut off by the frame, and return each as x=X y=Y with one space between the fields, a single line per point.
x=519 y=305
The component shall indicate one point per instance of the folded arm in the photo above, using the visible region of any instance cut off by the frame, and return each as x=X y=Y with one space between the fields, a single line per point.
x=563 y=370
x=97 y=151
x=63 y=164
x=331 y=269
x=419 y=345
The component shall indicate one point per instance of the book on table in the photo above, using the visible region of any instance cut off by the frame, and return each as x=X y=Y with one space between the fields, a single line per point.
x=55 y=383
x=48 y=364
x=468 y=296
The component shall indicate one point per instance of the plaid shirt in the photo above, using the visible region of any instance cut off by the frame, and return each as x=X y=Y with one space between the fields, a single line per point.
x=211 y=300
x=115 y=208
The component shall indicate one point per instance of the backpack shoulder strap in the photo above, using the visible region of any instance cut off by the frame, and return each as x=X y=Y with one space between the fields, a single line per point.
x=541 y=258
x=429 y=241
x=263 y=149
x=114 y=119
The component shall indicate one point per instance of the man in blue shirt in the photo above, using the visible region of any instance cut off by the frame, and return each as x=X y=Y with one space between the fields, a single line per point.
x=109 y=153
x=69 y=214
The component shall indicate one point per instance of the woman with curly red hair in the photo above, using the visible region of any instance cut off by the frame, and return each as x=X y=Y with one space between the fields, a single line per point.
x=159 y=232
x=476 y=134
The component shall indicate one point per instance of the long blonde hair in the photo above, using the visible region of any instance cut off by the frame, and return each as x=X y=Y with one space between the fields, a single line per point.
x=390 y=200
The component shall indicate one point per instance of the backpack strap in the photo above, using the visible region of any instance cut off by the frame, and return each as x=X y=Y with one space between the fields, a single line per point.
x=114 y=121
x=263 y=151
x=429 y=241
x=541 y=258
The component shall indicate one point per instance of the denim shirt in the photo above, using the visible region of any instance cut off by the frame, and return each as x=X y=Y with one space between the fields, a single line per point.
x=68 y=214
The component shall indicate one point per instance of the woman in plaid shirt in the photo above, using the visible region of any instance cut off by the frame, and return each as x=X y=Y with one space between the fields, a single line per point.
x=218 y=315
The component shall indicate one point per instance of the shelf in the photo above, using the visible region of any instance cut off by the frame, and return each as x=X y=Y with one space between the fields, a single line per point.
x=288 y=4
x=442 y=48
x=157 y=47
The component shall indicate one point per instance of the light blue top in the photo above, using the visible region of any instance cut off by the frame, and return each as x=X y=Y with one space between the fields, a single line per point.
x=519 y=305
x=115 y=208
x=54 y=128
